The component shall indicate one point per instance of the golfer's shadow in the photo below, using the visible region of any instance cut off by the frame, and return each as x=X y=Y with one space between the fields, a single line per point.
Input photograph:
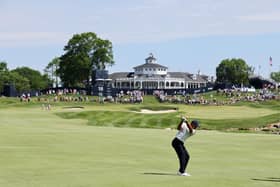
x=159 y=173
x=268 y=179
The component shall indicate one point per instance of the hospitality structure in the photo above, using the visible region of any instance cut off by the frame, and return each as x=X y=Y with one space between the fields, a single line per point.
x=154 y=76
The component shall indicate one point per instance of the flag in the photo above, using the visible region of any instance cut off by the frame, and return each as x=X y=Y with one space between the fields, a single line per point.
x=270 y=61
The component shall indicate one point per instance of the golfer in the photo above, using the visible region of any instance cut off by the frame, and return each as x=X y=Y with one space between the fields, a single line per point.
x=185 y=130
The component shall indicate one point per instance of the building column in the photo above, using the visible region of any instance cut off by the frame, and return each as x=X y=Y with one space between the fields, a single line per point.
x=134 y=83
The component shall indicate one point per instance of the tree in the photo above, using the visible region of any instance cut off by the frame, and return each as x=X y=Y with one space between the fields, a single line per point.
x=275 y=76
x=84 y=52
x=103 y=54
x=34 y=77
x=13 y=78
x=3 y=67
x=4 y=75
x=233 y=71
x=21 y=83
x=51 y=71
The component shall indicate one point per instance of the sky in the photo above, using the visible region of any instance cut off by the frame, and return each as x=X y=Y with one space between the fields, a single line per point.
x=184 y=35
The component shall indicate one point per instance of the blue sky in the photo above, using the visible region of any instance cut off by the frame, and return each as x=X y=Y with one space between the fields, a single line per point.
x=184 y=35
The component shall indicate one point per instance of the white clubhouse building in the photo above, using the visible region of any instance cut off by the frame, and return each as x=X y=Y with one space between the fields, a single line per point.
x=152 y=75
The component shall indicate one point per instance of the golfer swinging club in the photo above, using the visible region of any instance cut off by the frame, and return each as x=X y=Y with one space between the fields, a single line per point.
x=185 y=130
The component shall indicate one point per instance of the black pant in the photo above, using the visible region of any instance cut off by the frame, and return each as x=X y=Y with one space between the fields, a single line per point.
x=182 y=154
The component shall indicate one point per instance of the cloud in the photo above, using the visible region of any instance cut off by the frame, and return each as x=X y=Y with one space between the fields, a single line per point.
x=10 y=39
x=163 y=20
x=268 y=17
x=138 y=21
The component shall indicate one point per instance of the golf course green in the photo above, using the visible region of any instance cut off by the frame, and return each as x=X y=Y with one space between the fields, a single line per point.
x=83 y=147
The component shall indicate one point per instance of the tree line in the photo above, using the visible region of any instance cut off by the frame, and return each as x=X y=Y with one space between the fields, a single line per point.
x=23 y=78
x=85 y=52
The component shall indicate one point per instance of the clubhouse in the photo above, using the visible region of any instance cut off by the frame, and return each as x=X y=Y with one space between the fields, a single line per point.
x=154 y=76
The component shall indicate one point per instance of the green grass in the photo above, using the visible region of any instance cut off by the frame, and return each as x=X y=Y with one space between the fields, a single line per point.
x=242 y=123
x=41 y=149
x=124 y=119
x=211 y=117
x=241 y=115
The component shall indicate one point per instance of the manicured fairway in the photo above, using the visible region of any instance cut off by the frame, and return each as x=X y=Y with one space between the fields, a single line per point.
x=40 y=149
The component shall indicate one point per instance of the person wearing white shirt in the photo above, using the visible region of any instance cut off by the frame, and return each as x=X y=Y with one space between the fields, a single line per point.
x=185 y=130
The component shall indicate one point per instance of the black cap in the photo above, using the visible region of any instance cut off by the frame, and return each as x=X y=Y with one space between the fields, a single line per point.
x=195 y=124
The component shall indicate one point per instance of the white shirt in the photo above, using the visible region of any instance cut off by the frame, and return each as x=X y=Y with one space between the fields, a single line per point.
x=184 y=132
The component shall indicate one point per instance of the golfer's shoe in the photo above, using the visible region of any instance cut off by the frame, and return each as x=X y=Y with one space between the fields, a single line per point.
x=183 y=174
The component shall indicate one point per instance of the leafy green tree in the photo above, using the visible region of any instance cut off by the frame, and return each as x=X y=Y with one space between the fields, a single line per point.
x=36 y=80
x=84 y=52
x=233 y=71
x=275 y=76
x=4 y=75
x=103 y=54
x=51 y=71
x=3 y=67
x=9 y=77
x=21 y=83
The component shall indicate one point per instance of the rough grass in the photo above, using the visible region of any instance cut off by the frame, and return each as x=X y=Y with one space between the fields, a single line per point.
x=211 y=117
x=240 y=115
